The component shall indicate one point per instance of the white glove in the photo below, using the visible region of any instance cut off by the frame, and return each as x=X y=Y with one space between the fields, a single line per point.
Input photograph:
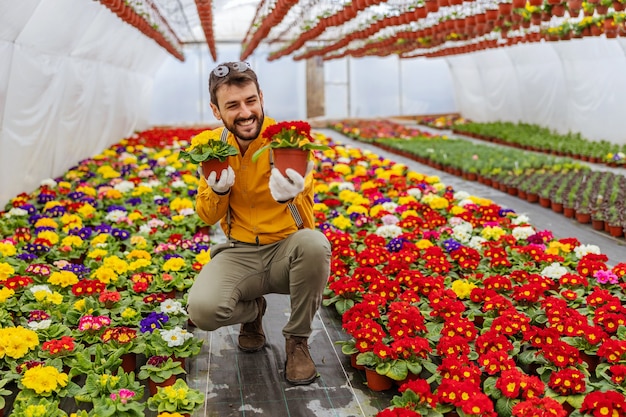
x=285 y=188
x=227 y=179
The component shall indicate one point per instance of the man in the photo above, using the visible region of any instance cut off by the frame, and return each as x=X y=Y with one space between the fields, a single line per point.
x=270 y=249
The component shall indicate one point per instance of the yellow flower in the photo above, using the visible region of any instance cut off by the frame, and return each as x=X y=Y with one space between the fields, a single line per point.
x=436 y=202
x=6 y=271
x=456 y=210
x=178 y=218
x=415 y=176
x=432 y=179
x=141 y=190
x=424 y=244
x=356 y=209
x=342 y=169
x=97 y=253
x=5 y=294
x=107 y=172
x=321 y=188
x=71 y=221
x=86 y=210
x=104 y=274
x=101 y=238
x=174 y=264
x=48 y=298
x=320 y=207
x=120 y=266
x=80 y=305
x=7 y=249
x=50 y=236
x=135 y=216
x=139 y=254
x=138 y=264
x=72 y=240
x=44 y=379
x=113 y=194
x=179 y=204
x=129 y=313
x=15 y=342
x=36 y=410
x=203 y=257
x=492 y=233
x=341 y=222
x=87 y=190
x=138 y=241
x=46 y=222
x=462 y=288
x=479 y=201
x=111 y=380
x=408 y=213
x=63 y=278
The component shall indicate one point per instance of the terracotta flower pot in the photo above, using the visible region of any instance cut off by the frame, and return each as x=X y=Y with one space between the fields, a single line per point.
x=293 y=158
x=583 y=218
x=616 y=231
x=129 y=362
x=376 y=381
x=213 y=165
x=153 y=386
x=354 y=364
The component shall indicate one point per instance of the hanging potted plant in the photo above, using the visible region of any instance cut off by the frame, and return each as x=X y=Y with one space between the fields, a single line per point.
x=290 y=143
x=210 y=151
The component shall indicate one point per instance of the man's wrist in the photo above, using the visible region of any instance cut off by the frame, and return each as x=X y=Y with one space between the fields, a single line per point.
x=222 y=193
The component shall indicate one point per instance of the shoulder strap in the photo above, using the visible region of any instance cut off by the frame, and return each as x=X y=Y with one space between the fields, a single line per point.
x=295 y=213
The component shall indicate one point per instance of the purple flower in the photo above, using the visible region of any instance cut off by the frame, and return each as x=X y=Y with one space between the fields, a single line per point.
x=396 y=244
x=153 y=321
x=450 y=245
x=120 y=234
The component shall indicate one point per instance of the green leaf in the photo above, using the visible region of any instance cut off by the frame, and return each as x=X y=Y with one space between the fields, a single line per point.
x=504 y=406
x=398 y=370
x=344 y=305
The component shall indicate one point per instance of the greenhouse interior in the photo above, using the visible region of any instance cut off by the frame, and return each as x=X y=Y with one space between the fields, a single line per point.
x=463 y=191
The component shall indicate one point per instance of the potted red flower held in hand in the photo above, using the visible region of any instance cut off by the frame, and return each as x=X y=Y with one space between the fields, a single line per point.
x=290 y=143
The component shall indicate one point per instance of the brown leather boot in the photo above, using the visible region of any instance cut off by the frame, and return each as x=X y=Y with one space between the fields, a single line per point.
x=251 y=335
x=299 y=367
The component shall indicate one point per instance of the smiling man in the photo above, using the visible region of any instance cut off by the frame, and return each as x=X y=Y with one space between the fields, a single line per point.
x=272 y=244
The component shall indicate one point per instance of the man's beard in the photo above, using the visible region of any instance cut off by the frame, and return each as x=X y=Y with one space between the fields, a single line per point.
x=244 y=133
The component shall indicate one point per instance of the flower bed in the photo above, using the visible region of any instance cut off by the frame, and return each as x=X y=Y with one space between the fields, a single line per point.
x=469 y=307
x=94 y=266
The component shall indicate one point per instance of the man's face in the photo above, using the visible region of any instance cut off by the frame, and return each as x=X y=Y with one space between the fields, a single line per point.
x=240 y=109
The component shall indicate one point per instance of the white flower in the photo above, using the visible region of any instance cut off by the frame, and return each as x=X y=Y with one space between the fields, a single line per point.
x=414 y=192
x=389 y=219
x=344 y=160
x=390 y=230
x=521 y=219
x=462 y=231
x=179 y=184
x=144 y=228
x=169 y=169
x=176 y=336
x=476 y=242
x=465 y=202
x=49 y=182
x=187 y=211
x=389 y=206
x=582 y=250
x=172 y=307
x=124 y=186
x=43 y=287
x=523 y=232
x=39 y=325
x=155 y=223
x=16 y=211
x=346 y=186
x=461 y=195
x=455 y=221
x=115 y=215
x=152 y=183
x=554 y=271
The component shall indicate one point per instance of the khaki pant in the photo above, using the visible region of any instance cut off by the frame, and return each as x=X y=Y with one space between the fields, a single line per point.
x=224 y=291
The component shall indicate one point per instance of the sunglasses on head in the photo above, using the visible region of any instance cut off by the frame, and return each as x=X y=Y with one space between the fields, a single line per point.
x=223 y=70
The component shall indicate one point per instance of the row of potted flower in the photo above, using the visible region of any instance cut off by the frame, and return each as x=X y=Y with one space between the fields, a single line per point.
x=568 y=187
x=536 y=138
x=94 y=266
x=466 y=305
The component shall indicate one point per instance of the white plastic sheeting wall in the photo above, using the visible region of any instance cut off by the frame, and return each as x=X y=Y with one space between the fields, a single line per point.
x=577 y=85
x=74 y=79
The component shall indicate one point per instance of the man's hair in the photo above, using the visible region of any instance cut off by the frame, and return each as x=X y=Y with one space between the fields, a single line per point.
x=233 y=77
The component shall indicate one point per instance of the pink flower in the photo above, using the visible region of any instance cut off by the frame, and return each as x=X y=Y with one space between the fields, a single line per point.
x=605 y=277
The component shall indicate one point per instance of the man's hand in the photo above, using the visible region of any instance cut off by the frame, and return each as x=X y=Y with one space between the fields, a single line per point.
x=285 y=188
x=221 y=186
